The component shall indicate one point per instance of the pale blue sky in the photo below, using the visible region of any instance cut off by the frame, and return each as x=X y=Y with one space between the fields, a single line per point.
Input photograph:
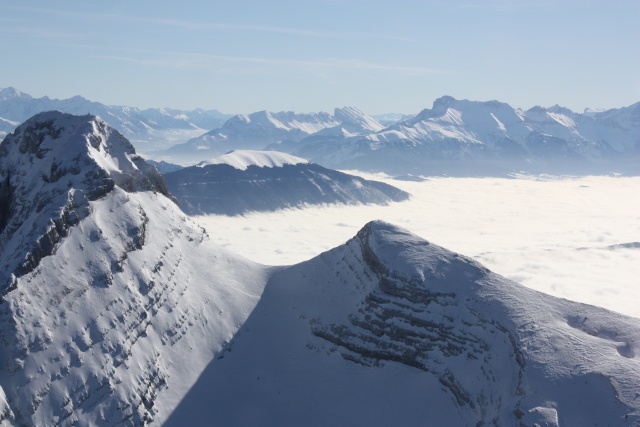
x=313 y=55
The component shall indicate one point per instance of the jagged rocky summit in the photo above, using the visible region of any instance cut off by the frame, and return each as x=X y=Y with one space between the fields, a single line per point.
x=113 y=301
x=134 y=317
x=244 y=181
x=51 y=167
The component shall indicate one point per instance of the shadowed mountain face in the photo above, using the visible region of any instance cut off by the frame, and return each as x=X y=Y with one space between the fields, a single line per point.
x=228 y=190
x=128 y=315
x=391 y=329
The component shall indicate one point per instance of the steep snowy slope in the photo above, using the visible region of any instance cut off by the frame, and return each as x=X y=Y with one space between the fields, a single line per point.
x=112 y=300
x=245 y=180
x=389 y=329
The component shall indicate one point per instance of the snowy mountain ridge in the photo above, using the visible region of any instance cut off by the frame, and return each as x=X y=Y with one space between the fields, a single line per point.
x=107 y=288
x=458 y=135
x=242 y=159
x=264 y=129
x=389 y=328
x=51 y=167
x=245 y=181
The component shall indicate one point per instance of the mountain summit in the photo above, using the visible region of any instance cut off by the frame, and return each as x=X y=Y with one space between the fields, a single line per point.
x=108 y=288
x=50 y=168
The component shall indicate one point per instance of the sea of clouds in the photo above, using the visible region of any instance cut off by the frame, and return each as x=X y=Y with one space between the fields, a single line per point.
x=576 y=238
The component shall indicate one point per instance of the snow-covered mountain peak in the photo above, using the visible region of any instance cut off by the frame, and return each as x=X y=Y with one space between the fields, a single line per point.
x=109 y=295
x=51 y=166
x=10 y=93
x=53 y=145
x=407 y=254
x=242 y=159
x=416 y=332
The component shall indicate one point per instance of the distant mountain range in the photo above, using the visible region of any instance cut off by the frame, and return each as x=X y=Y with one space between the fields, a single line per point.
x=461 y=137
x=263 y=129
x=150 y=129
x=117 y=309
x=454 y=137
x=243 y=181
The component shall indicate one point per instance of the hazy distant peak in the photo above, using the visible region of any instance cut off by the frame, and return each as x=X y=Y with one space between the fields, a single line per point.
x=10 y=92
x=443 y=102
x=352 y=115
x=242 y=159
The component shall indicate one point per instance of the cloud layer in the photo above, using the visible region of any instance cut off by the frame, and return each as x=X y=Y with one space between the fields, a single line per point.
x=573 y=238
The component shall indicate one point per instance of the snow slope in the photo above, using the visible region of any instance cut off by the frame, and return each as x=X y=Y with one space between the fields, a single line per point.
x=242 y=181
x=390 y=329
x=114 y=300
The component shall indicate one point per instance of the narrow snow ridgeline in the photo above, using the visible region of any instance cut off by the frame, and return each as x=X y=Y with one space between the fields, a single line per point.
x=118 y=310
x=242 y=159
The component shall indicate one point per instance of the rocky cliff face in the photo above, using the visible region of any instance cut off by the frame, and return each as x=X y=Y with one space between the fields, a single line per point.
x=51 y=167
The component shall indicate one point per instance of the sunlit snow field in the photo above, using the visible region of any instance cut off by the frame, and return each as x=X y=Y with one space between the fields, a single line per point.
x=576 y=238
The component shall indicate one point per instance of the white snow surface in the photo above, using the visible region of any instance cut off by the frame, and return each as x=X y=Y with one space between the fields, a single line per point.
x=352 y=117
x=242 y=159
